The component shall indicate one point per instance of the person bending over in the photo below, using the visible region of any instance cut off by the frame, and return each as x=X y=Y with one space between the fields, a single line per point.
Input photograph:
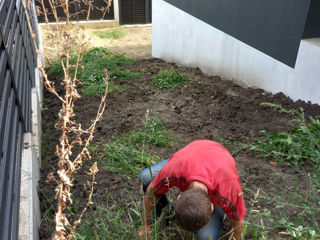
x=207 y=176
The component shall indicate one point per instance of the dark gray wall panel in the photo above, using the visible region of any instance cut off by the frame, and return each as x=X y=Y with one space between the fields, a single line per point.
x=275 y=27
x=312 y=29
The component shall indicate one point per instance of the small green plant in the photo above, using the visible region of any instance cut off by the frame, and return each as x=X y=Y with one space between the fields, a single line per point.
x=169 y=79
x=299 y=232
x=114 y=33
x=280 y=108
x=299 y=145
x=153 y=133
x=92 y=76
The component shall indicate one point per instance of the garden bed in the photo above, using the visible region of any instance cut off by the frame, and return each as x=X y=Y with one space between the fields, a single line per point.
x=279 y=196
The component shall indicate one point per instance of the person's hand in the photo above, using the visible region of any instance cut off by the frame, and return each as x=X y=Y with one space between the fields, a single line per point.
x=145 y=232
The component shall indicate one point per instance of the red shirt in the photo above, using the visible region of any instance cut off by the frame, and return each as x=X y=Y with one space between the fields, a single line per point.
x=210 y=163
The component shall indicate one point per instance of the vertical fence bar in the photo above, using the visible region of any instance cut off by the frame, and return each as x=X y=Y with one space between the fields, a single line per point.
x=11 y=177
x=15 y=224
x=4 y=170
x=3 y=111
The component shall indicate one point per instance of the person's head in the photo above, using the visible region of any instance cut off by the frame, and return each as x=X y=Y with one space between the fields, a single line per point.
x=193 y=209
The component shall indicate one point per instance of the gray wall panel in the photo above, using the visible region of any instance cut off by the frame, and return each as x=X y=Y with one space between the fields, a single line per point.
x=274 y=27
x=312 y=29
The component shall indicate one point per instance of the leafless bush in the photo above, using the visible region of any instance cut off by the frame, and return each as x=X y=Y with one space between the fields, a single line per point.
x=72 y=134
x=84 y=6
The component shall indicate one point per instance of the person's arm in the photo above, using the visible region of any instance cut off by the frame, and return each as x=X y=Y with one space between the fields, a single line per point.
x=148 y=205
x=237 y=229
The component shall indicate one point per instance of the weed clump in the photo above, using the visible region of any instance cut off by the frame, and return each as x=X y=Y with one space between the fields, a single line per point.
x=154 y=133
x=299 y=145
x=170 y=79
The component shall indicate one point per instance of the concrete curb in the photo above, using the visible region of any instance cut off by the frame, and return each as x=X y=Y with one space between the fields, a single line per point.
x=29 y=215
x=86 y=24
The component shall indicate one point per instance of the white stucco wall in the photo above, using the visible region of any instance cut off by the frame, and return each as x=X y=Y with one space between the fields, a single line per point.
x=182 y=38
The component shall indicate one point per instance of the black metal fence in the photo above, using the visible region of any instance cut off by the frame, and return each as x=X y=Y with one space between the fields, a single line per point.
x=78 y=11
x=18 y=60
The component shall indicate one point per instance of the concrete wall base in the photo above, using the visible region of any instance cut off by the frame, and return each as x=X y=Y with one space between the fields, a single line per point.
x=86 y=24
x=184 y=39
x=29 y=215
x=36 y=125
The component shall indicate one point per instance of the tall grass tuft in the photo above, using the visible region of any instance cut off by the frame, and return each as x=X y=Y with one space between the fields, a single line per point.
x=153 y=133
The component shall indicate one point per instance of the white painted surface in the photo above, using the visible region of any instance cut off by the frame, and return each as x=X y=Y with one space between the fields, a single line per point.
x=116 y=10
x=36 y=124
x=29 y=215
x=184 y=39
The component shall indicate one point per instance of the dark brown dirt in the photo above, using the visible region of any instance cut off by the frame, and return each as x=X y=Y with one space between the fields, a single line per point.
x=208 y=108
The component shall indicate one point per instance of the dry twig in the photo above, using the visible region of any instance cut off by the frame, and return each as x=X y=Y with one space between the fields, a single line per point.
x=30 y=27
x=65 y=5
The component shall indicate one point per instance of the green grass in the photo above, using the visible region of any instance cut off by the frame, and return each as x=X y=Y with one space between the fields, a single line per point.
x=300 y=145
x=121 y=157
x=114 y=33
x=291 y=213
x=301 y=225
x=130 y=153
x=48 y=216
x=170 y=79
x=121 y=221
x=153 y=133
x=92 y=76
x=103 y=223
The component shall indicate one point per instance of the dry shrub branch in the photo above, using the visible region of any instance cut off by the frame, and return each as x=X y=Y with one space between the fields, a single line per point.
x=72 y=149
x=72 y=135
x=50 y=7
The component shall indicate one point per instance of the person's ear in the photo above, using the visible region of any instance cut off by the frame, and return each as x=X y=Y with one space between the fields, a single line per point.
x=179 y=196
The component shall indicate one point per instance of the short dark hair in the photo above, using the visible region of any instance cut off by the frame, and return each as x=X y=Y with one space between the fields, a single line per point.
x=193 y=209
